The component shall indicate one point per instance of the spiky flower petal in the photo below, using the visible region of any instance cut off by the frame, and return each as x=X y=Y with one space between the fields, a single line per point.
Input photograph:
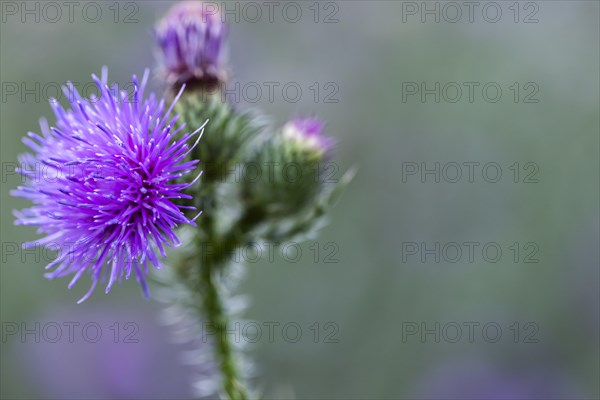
x=108 y=195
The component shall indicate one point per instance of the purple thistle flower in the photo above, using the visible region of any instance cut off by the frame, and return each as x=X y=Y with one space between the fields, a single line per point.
x=191 y=39
x=113 y=165
x=308 y=132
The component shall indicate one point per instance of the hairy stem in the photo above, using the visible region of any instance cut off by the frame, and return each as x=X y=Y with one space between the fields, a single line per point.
x=216 y=317
x=210 y=264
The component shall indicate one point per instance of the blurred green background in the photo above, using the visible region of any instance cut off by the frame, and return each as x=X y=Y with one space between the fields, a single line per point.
x=372 y=294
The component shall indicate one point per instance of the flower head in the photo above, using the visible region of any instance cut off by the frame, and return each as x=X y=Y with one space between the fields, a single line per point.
x=105 y=197
x=191 y=39
x=299 y=154
x=307 y=133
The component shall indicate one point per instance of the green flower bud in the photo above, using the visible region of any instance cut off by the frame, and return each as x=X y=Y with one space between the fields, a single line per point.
x=289 y=168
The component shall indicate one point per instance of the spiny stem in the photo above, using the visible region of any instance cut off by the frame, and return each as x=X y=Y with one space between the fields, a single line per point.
x=213 y=307
x=216 y=316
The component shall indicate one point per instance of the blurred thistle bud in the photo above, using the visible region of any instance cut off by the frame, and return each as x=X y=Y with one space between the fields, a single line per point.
x=226 y=138
x=291 y=169
x=191 y=38
x=307 y=135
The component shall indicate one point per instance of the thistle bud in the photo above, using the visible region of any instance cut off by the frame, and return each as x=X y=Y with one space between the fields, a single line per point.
x=227 y=138
x=306 y=135
x=191 y=39
x=295 y=158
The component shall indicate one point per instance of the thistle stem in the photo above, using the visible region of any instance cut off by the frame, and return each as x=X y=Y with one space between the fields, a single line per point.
x=211 y=263
x=216 y=316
